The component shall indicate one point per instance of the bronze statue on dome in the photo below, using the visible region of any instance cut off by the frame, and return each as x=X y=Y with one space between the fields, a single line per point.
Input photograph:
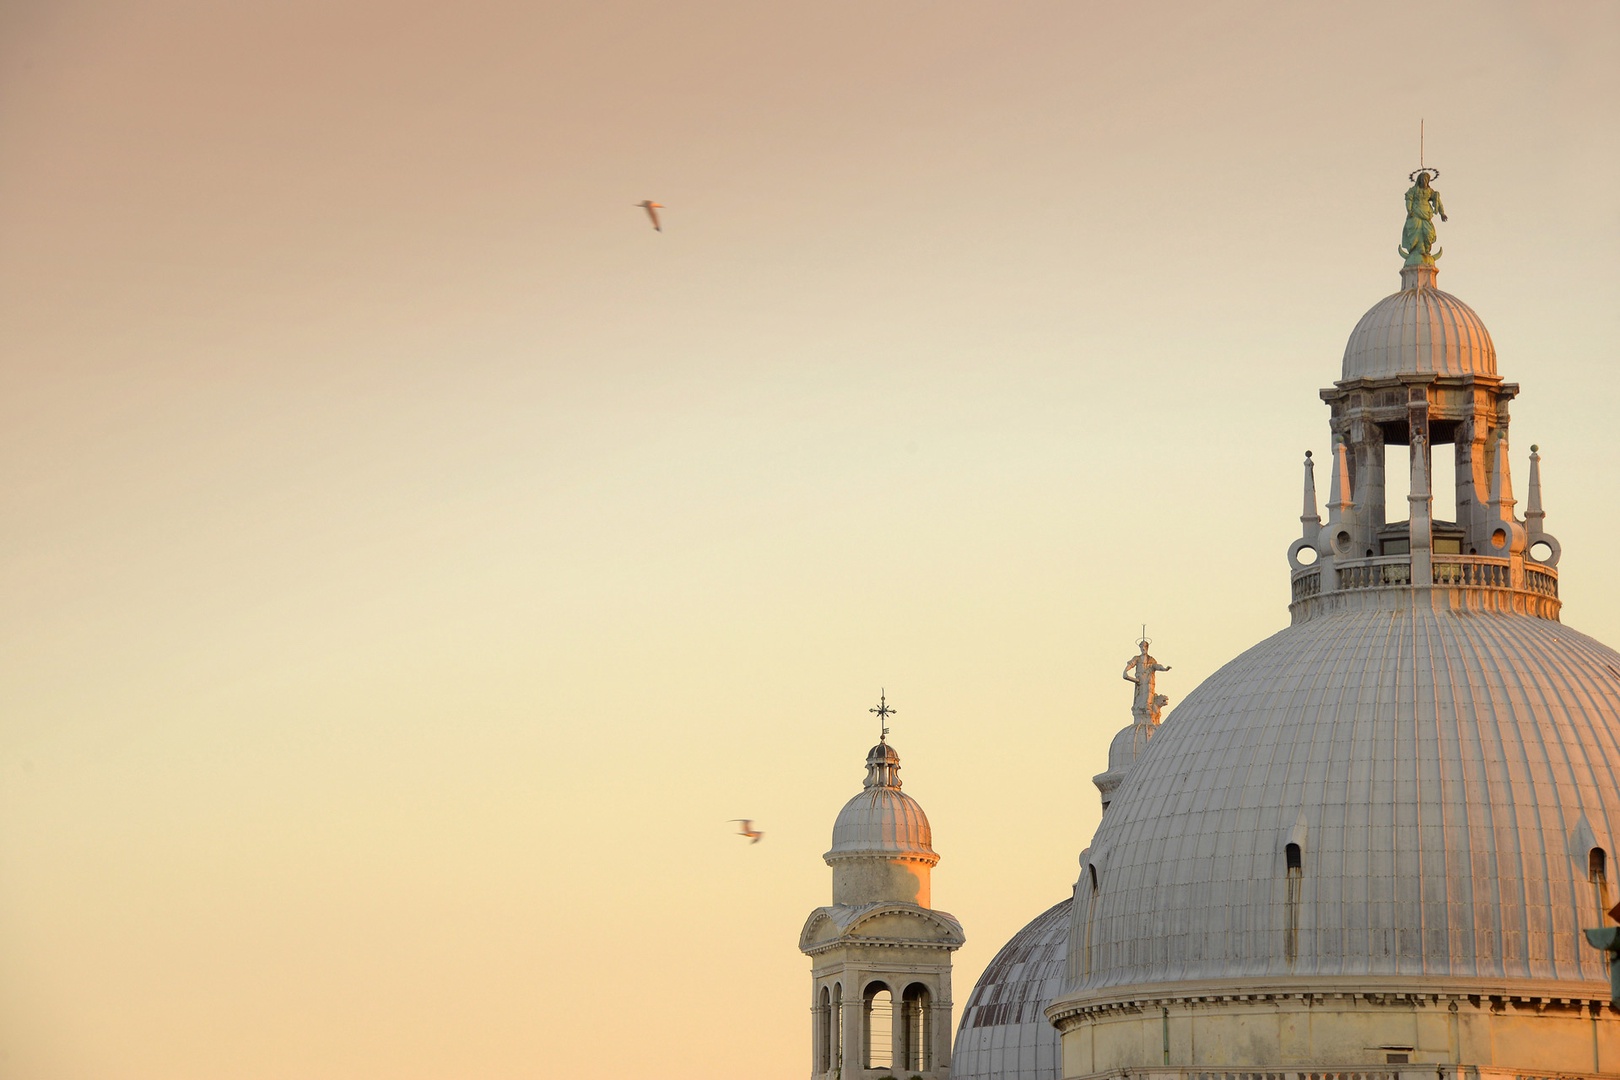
x=1422 y=204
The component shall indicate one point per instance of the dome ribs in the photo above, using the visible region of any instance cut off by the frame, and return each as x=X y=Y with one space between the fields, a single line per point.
x=1440 y=758
x=1418 y=330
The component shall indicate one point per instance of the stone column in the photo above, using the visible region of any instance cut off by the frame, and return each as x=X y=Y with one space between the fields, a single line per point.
x=1367 y=478
x=1421 y=499
x=854 y=1032
x=1471 y=478
x=939 y=1034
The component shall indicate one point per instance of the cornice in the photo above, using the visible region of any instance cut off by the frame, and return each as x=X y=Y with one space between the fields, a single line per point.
x=1587 y=998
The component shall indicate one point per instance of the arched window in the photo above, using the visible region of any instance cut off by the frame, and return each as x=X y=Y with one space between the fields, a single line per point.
x=878 y=1028
x=1294 y=859
x=915 y=1035
x=836 y=1026
x=1091 y=918
x=1597 y=872
x=823 y=1032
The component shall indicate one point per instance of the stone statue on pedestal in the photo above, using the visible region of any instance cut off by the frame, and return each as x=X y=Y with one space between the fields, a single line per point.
x=1143 y=670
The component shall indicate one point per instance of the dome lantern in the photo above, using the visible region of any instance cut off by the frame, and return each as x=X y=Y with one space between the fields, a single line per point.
x=1420 y=370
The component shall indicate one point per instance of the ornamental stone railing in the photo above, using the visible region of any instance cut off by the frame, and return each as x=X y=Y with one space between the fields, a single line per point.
x=1473 y=570
x=1540 y=579
x=1307 y=582
x=1522 y=585
x=1377 y=573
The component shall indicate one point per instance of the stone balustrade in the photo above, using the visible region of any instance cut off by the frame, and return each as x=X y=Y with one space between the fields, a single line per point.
x=1476 y=578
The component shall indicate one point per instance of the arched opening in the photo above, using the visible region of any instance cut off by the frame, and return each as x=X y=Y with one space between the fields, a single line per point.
x=1091 y=915
x=877 y=1027
x=1597 y=872
x=1397 y=485
x=1394 y=477
x=1293 y=858
x=914 y=1029
x=823 y=1031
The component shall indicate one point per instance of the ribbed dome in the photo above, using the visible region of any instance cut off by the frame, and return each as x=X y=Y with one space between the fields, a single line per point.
x=882 y=820
x=1445 y=775
x=1419 y=329
x=1004 y=1033
x=1129 y=744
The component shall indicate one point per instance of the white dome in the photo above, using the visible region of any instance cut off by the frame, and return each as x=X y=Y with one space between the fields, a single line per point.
x=1445 y=774
x=882 y=821
x=1128 y=745
x=1418 y=330
x=1004 y=1034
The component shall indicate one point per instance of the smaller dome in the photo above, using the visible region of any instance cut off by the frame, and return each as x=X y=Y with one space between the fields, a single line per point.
x=1129 y=744
x=1004 y=1034
x=882 y=821
x=1419 y=330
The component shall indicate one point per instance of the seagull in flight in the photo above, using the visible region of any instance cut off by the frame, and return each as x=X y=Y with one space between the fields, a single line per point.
x=652 y=209
x=748 y=829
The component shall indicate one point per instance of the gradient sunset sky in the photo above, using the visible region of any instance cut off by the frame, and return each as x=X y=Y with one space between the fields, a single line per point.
x=410 y=560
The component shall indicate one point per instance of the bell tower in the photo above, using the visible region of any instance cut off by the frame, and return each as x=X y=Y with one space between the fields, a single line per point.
x=880 y=980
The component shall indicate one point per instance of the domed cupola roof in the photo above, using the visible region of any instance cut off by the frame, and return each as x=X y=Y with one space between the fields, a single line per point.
x=1419 y=330
x=1441 y=777
x=882 y=819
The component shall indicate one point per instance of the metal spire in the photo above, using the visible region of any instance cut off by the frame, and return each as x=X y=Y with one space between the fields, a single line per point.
x=883 y=713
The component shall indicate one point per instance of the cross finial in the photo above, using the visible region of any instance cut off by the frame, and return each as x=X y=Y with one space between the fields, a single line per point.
x=883 y=712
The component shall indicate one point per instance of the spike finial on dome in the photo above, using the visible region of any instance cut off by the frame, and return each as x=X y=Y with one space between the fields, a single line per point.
x=1501 y=497
x=1533 y=513
x=1309 y=519
x=1340 y=500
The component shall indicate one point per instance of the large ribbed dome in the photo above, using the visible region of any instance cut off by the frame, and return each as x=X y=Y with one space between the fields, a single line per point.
x=1419 y=330
x=1450 y=781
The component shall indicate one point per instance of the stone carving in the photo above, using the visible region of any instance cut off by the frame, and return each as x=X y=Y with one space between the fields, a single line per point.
x=1143 y=670
x=1417 y=235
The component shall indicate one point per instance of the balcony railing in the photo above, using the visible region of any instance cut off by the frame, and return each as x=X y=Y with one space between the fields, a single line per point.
x=1377 y=573
x=1307 y=582
x=1473 y=570
x=1393 y=571
x=1541 y=579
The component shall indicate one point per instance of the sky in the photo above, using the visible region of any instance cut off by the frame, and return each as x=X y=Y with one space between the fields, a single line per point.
x=411 y=560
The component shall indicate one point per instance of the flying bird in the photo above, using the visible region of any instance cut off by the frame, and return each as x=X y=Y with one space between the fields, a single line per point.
x=748 y=829
x=652 y=209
